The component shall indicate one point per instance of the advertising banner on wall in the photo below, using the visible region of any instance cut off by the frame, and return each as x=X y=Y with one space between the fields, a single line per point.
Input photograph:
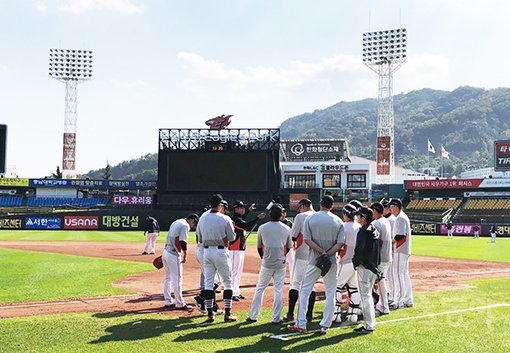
x=92 y=184
x=458 y=184
x=501 y=231
x=424 y=228
x=502 y=155
x=21 y=182
x=383 y=155
x=10 y=223
x=307 y=150
x=42 y=223
x=132 y=200
x=81 y=222
x=119 y=222
x=460 y=229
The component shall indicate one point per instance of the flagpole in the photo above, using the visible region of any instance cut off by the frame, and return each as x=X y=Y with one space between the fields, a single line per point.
x=442 y=163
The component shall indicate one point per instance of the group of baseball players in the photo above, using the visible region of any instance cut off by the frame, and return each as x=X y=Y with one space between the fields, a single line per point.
x=367 y=252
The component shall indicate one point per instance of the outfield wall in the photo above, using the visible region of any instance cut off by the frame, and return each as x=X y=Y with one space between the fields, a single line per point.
x=425 y=228
x=107 y=219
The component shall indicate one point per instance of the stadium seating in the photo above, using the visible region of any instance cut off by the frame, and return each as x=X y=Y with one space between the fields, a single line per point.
x=64 y=201
x=11 y=200
x=433 y=205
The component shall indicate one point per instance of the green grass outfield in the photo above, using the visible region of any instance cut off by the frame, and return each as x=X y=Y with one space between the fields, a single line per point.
x=458 y=247
x=482 y=330
x=35 y=276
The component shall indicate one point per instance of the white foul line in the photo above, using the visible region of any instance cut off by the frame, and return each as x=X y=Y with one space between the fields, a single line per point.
x=286 y=336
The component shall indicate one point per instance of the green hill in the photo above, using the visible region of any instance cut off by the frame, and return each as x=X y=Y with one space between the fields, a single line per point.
x=466 y=121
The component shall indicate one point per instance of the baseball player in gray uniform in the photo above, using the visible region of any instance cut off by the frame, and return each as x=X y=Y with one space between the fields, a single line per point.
x=273 y=243
x=383 y=226
x=301 y=254
x=347 y=276
x=215 y=230
x=176 y=244
x=403 y=290
x=324 y=234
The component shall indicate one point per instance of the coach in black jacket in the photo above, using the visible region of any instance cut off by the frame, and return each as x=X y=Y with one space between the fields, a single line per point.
x=365 y=261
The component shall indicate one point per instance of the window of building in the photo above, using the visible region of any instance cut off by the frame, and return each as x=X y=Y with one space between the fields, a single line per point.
x=300 y=181
x=356 y=180
x=331 y=181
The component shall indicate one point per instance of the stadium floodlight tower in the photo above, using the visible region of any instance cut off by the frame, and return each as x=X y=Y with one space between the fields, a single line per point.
x=384 y=52
x=70 y=67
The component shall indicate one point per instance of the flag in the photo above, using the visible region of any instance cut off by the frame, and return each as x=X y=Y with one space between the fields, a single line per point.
x=430 y=147
x=445 y=153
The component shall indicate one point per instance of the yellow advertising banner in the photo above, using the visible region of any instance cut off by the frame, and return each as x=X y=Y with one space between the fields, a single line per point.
x=13 y=181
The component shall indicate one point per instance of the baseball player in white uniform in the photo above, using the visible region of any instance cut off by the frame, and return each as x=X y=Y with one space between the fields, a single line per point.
x=215 y=230
x=301 y=253
x=323 y=232
x=152 y=231
x=346 y=273
x=383 y=226
x=273 y=243
x=402 y=237
x=391 y=280
x=173 y=257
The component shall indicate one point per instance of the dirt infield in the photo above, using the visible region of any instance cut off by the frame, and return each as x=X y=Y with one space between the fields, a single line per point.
x=428 y=274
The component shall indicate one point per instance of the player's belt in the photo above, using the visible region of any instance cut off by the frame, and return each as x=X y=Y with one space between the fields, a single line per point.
x=215 y=247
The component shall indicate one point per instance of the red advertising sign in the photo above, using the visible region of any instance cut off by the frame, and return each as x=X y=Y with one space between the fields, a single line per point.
x=131 y=200
x=81 y=222
x=502 y=155
x=443 y=184
x=461 y=229
x=383 y=155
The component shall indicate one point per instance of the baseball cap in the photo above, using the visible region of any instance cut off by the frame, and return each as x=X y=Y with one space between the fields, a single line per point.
x=377 y=206
x=275 y=212
x=238 y=203
x=327 y=201
x=305 y=202
x=193 y=216
x=366 y=213
x=224 y=203
x=385 y=203
x=356 y=203
x=350 y=210
x=395 y=202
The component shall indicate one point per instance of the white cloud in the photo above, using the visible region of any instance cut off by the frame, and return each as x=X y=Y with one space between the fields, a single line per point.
x=81 y=6
x=342 y=77
x=41 y=6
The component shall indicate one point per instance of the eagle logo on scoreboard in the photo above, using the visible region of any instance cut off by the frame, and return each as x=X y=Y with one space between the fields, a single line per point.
x=219 y=123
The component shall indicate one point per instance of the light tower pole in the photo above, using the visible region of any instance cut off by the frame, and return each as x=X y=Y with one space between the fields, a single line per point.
x=384 y=52
x=70 y=67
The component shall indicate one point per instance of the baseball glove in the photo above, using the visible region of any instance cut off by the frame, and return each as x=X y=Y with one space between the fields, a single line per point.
x=324 y=264
x=158 y=262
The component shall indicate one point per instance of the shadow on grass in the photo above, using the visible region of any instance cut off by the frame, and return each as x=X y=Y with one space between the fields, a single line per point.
x=143 y=329
x=265 y=343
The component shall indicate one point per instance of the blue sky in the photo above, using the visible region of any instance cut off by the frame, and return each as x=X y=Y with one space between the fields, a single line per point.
x=163 y=64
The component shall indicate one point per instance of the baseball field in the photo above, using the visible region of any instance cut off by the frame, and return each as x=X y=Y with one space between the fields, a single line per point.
x=94 y=292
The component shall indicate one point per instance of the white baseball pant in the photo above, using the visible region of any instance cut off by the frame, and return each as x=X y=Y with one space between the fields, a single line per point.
x=311 y=275
x=173 y=278
x=347 y=276
x=366 y=280
x=383 y=305
x=217 y=261
x=265 y=275
x=403 y=289
x=237 y=261
x=150 y=243
x=289 y=259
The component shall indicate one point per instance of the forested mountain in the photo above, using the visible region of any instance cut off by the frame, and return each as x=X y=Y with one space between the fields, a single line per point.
x=466 y=121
